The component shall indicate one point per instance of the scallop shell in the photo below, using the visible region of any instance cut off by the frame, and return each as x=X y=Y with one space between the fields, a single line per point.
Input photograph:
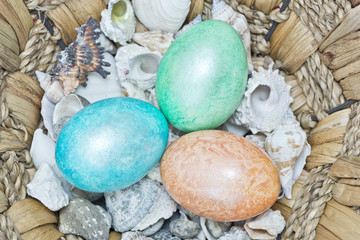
x=166 y=15
x=81 y=57
x=266 y=226
x=98 y=88
x=139 y=206
x=137 y=65
x=134 y=236
x=288 y=149
x=65 y=109
x=195 y=21
x=46 y=187
x=54 y=90
x=118 y=21
x=157 y=41
x=265 y=102
x=235 y=233
x=222 y=11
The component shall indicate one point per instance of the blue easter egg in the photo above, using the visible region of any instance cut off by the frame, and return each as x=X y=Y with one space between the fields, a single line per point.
x=111 y=144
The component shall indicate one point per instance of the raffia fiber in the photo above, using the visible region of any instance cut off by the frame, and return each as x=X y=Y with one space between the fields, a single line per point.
x=7 y=229
x=44 y=5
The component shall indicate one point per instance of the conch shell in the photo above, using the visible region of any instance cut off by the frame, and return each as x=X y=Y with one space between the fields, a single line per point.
x=265 y=102
x=80 y=57
x=137 y=65
x=166 y=15
x=288 y=149
x=222 y=11
x=266 y=226
x=195 y=21
x=118 y=21
x=157 y=41
x=53 y=89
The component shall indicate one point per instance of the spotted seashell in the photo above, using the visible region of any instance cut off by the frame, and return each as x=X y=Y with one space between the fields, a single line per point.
x=82 y=56
x=139 y=206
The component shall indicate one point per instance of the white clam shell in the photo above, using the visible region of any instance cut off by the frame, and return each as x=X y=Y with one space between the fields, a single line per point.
x=98 y=88
x=138 y=66
x=288 y=149
x=53 y=89
x=166 y=15
x=157 y=41
x=266 y=226
x=195 y=21
x=139 y=206
x=119 y=29
x=46 y=187
x=65 y=109
x=222 y=11
x=265 y=102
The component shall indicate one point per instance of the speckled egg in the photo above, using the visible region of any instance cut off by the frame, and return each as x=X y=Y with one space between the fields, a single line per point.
x=111 y=144
x=219 y=175
x=202 y=77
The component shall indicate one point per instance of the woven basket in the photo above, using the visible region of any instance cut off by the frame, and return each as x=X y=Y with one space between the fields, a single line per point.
x=316 y=44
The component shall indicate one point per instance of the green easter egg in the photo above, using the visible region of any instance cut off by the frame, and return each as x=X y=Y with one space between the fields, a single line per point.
x=202 y=76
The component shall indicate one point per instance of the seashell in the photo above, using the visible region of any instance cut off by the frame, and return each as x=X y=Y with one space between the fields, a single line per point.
x=85 y=219
x=166 y=15
x=134 y=236
x=195 y=21
x=184 y=228
x=157 y=41
x=98 y=88
x=107 y=45
x=46 y=187
x=265 y=102
x=229 y=126
x=153 y=228
x=258 y=139
x=118 y=21
x=137 y=65
x=235 y=233
x=222 y=11
x=65 y=109
x=288 y=149
x=53 y=89
x=154 y=173
x=81 y=57
x=266 y=226
x=47 y=110
x=139 y=206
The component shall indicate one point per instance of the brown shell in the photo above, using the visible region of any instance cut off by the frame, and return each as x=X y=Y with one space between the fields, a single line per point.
x=82 y=56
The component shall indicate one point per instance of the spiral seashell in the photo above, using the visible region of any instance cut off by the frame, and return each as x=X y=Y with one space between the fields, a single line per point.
x=265 y=102
x=137 y=65
x=222 y=11
x=53 y=89
x=195 y=21
x=166 y=15
x=157 y=41
x=266 y=226
x=118 y=21
x=288 y=149
x=81 y=57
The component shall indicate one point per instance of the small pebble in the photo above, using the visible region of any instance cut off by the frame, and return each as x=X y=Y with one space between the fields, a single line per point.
x=184 y=228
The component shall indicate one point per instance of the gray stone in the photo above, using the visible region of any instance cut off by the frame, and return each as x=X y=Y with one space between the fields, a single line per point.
x=162 y=235
x=217 y=229
x=184 y=228
x=153 y=228
x=85 y=219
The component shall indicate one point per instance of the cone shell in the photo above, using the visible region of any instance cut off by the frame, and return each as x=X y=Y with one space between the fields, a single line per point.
x=222 y=11
x=157 y=41
x=265 y=103
x=286 y=145
x=80 y=57
x=166 y=15
x=118 y=21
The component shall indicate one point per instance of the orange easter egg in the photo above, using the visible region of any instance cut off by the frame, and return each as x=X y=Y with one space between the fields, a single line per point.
x=219 y=175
